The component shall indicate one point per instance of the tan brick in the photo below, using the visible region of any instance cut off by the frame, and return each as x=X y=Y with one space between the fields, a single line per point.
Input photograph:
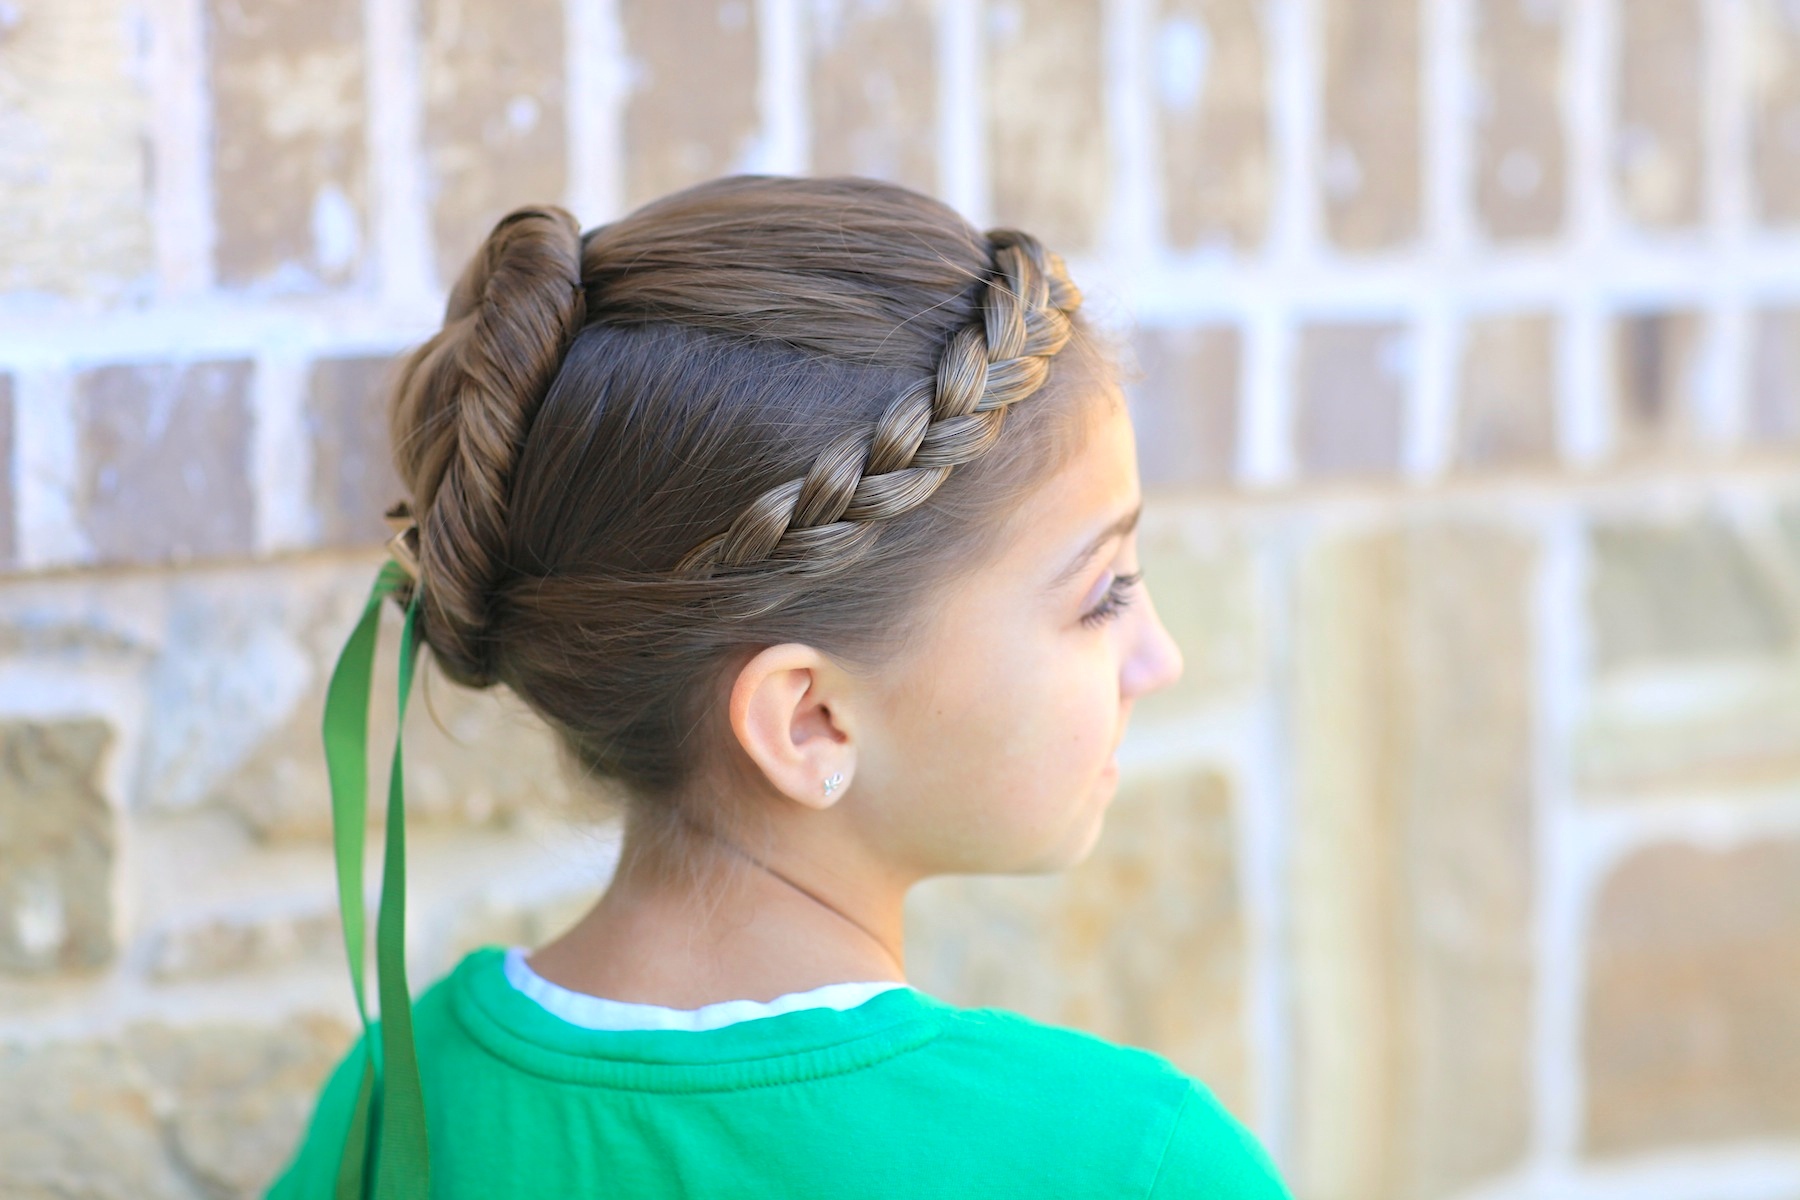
x=57 y=847
x=1521 y=155
x=289 y=148
x=472 y=758
x=1774 y=416
x=238 y=1095
x=1204 y=584
x=692 y=112
x=1506 y=410
x=1655 y=360
x=74 y=168
x=1689 y=1031
x=353 y=476
x=165 y=460
x=1659 y=152
x=1370 y=167
x=1185 y=408
x=1663 y=594
x=1698 y=611
x=495 y=127
x=1774 y=49
x=1046 y=124
x=1350 y=397
x=1211 y=71
x=9 y=533
x=1736 y=744
x=77 y=1120
x=1412 y=868
x=1142 y=943
x=874 y=90
x=489 y=922
x=218 y=947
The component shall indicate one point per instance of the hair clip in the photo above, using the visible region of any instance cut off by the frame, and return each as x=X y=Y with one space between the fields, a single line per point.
x=404 y=545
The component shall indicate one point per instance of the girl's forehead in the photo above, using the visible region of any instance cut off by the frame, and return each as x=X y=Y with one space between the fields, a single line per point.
x=1095 y=490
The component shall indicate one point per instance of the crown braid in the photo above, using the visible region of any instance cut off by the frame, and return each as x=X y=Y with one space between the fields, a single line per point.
x=813 y=522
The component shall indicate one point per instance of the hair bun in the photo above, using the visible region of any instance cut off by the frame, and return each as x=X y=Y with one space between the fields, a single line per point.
x=462 y=407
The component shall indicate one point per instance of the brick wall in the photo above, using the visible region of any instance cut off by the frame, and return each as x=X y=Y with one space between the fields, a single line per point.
x=1462 y=861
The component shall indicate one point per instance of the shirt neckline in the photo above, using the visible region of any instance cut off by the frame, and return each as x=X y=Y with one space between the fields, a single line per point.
x=809 y=1043
x=602 y=1013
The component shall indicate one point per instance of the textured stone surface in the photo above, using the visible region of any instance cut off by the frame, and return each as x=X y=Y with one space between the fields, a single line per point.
x=239 y=682
x=1521 y=157
x=1689 y=1032
x=494 y=124
x=164 y=461
x=289 y=140
x=1659 y=152
x=353 y=477
x=1666 y=593
x=1656 y=361
x=1774 y=410
x=1724 y=743
x=76 y=1120
x=222 y=946
x=1506 y=406
x=1370 y=167
x=1691 y=621
x=1412 y=867
x=498 y=923
x=471 y=758
x=183 y=1113
x=874 y=90
x=1774 y=69
x=1185 y=408
x=1210 y=59
x=1203 y=581
x=1047 y=143
x=74 y=166
x=58 y=844
x=1350 y=386
x=1141 y=943
x=9 y=532
x=237 y=1095
x=692 y=112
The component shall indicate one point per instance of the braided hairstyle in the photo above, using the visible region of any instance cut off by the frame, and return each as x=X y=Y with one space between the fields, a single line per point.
x=638 y=455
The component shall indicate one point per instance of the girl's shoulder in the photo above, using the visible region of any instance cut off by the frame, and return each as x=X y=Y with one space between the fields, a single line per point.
x=1200 y=1147
x=1054 y=1050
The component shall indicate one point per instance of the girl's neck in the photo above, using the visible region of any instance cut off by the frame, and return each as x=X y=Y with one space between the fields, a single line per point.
x=724 y=928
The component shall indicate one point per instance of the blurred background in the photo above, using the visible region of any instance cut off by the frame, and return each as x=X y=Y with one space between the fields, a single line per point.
x=1463 y=862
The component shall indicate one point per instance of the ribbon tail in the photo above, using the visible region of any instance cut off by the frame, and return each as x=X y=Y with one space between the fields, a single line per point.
x=403 y=1170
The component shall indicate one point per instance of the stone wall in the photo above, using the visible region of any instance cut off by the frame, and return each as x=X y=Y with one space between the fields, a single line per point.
x=1462 y=862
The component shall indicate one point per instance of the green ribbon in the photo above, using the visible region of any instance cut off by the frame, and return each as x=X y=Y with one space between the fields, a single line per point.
x=389 y=1118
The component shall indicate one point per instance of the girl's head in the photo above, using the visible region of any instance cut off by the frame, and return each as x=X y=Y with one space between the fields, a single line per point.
x=776 y=479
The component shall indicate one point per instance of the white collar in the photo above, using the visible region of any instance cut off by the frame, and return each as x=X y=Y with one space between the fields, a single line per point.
x=597 y=1012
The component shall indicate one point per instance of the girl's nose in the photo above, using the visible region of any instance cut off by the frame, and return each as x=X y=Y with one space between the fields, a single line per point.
x=1155 y=662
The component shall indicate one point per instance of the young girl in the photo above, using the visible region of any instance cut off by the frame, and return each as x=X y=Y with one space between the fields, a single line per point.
x=804 y=513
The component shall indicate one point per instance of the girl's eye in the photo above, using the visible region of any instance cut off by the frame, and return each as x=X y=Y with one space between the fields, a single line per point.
x=1118 y=595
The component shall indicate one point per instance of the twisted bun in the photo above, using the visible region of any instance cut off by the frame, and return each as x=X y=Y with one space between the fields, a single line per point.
x=461 y=409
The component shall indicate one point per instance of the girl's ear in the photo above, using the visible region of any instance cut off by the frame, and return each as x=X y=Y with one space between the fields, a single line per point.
x=791 y=713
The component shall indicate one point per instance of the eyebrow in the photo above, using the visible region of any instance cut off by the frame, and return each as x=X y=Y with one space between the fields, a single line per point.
x=1118 y=528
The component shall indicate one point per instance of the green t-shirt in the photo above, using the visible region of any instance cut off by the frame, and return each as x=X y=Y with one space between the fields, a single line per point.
x=902 y=1095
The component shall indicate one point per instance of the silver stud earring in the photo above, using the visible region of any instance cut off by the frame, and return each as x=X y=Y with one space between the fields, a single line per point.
x=831 y=784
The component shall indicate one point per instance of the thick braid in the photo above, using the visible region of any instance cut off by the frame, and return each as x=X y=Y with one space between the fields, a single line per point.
x=464 y=403
x=937 y=424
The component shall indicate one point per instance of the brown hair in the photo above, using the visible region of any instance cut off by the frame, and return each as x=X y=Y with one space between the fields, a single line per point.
x=728 y=420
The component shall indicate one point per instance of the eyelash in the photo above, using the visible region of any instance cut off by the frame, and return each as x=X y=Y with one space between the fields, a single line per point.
x=1118 y=595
